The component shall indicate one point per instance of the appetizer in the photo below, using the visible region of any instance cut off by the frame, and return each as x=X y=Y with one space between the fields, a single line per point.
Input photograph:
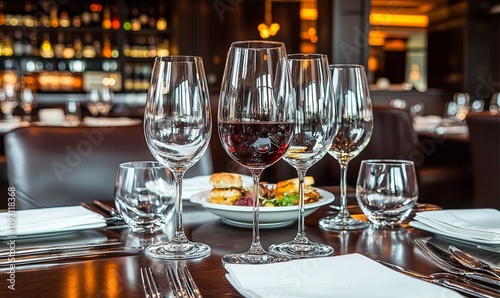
x=227 y=189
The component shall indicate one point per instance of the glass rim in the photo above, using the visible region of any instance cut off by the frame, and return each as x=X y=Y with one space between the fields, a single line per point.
x=346 y=65
x=303 y=56
x=142 y=164
x=179 y=59
x=253 y=44
x=388 y=162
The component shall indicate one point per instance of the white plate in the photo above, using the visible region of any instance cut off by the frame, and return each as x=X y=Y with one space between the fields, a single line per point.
x=269 y=217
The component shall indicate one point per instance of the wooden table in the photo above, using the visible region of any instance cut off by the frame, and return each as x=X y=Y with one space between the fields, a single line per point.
x=119 y=276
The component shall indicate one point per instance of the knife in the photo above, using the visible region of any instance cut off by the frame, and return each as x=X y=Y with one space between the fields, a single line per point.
x=56 y=248
x=85 y=254
x=449 y=281
x=112 y=211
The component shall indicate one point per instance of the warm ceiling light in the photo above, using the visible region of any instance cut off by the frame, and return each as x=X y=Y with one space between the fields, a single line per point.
x=381 y=19
x=376 y=38
x=308 y=14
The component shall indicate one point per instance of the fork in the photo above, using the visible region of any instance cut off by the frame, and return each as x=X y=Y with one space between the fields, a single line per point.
x=438 y=260
x=151 y=288
x=182 y=283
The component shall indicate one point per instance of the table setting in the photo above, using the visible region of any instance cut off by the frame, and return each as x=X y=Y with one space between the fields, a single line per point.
x=167 y=235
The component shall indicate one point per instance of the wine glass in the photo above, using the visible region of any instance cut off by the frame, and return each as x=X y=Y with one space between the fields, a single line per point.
x=177 y=127
x=355 y=120
x=93 y=98
x=314 y=131
x=105 y=101
x=28 y=101
x=256 y=121
x=8 y=101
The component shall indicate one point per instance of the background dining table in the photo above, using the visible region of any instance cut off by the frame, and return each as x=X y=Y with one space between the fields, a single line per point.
x=119 y=276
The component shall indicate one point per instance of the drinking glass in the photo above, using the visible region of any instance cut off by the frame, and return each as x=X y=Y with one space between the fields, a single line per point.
x=387 y=191
x=8 y=101
x=144 y=195
x=73 y=112
x=256 y=121
x=177 y=126
x=105 y=103
x=28 y=101
x=355 y=120
x=314 y=131
x=93 y=98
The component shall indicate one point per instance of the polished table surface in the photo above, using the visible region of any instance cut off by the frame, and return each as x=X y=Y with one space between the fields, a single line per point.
x=119 y=276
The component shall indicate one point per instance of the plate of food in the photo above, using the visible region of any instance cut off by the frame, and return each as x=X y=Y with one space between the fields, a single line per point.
x=232 y=201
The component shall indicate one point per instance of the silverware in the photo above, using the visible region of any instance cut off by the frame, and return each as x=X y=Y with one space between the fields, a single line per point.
x=112 y=211
x=82 y=254
x=56 y=248
x=472 y=262
x=149 y=284
x=446 y=262
x=449 y=281
x=182 y=283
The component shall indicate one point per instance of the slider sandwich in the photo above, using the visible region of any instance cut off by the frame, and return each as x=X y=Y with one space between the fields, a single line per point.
x=290 y=188
x=227 y=188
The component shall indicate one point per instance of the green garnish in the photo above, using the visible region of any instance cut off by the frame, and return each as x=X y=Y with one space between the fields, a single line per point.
x=287 y=200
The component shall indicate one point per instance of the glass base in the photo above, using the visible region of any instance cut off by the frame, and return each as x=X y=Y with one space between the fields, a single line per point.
x=248 y=258
x=296 y=249
x=174 y=251
x=342 y=223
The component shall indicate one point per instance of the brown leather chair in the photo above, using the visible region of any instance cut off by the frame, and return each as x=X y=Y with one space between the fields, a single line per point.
x=57 y=166
x=484 y=134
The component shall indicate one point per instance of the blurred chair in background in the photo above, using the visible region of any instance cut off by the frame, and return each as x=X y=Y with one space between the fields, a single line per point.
x=57 y=166
x=484 y=134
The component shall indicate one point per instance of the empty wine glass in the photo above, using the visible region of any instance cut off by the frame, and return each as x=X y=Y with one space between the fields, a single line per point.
x=28 y=101
x=355 y=120
x=256 y=121
x=105 y=101
x=73 y=112
x=314 y=131
x=8 y=101
x=177 y=126
x=93 y=98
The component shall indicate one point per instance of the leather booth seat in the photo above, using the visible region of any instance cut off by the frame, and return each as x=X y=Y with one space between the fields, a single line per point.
x=57 y=166
x=484 y=134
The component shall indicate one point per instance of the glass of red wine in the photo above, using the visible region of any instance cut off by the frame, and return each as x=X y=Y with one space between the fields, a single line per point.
x=256 y=121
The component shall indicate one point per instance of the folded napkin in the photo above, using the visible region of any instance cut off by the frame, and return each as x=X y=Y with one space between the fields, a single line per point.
x=110 y=121
x=426 y=123
x=49 y=220
x=442 y=130
x=475 y=225
x=352 y=275
x=194 y=185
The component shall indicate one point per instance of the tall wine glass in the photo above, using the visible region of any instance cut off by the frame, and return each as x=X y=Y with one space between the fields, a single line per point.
x=177 y=126
x=355 y=119
x=28 y=101
x=93 y=98
x=314 y=131
x=256 y=121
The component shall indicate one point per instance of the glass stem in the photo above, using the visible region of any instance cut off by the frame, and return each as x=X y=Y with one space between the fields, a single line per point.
x=256 y=247
x=179 y=230
x=301 y=231
x=343 y=213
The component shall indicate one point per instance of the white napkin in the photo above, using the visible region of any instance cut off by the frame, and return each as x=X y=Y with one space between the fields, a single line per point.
x=352 y=275
x=474 y=225
x=426 y=123
x=110 y=121
x=194 y=185
x=8 y=125
x=442 y=130
x=49 y=220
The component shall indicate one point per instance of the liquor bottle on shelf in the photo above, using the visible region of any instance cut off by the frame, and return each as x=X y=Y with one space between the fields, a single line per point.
x=106 y=47
x=78 y=47
x=106 y=18
x=59 y=46
x=64 y=20
x=46 y=50
x=54 y=19
x=88 y=50
x=18 y=46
